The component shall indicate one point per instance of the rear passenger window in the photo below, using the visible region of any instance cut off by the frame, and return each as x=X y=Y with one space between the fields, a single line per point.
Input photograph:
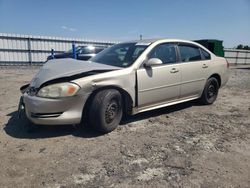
x=205 y=54
x=189 y=53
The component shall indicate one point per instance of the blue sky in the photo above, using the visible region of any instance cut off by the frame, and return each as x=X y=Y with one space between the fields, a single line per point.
x=228 y=20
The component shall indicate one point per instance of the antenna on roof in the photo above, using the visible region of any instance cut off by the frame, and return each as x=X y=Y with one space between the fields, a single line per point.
x=140 y=37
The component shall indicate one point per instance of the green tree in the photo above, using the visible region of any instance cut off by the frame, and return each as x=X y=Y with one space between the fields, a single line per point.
x=246 y=47
x=243 y=47
x=240 y=46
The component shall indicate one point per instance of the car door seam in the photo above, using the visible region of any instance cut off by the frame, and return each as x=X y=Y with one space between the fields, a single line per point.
x=161 y=87
x=197 y=80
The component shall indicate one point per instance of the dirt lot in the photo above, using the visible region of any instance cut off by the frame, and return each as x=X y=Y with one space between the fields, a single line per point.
x=184 y=145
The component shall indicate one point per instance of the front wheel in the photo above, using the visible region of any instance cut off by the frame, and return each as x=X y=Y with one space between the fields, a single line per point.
x=210 y=91
x=106 y=110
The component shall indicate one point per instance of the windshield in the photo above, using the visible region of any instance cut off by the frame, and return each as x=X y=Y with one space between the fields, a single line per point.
x=120 y=55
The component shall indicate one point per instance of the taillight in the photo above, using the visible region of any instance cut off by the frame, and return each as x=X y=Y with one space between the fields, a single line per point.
x=227 y=64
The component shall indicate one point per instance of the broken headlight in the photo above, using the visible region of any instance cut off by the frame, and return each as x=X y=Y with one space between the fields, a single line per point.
x=58 y=90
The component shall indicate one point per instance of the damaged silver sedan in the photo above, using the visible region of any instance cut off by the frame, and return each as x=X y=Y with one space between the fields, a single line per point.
x=127 y=78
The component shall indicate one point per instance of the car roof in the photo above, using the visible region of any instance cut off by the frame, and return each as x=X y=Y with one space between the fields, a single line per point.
x=141 y=41
x=92 y=45
x=150 y=41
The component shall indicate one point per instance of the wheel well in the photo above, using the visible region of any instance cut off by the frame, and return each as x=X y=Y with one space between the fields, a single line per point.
x=127 y=100
x=217 y=76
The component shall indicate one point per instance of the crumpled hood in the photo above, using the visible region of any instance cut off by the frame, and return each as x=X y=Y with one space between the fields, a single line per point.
x=59 y=68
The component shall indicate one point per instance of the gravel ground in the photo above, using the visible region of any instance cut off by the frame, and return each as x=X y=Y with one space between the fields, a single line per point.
x=185 y=145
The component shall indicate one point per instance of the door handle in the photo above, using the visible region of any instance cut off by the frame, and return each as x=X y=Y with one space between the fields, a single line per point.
x=174 y=70
x=204 y=66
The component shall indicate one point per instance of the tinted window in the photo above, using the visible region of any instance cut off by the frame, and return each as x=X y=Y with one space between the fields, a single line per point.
x=83 y=50
x=165 y=52
x=78 y=49
x=87 y=50
x=205 y=54
x=189 y=53
x=98 y=49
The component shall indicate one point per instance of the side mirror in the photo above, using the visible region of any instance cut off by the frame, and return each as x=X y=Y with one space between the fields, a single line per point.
x=152 y=62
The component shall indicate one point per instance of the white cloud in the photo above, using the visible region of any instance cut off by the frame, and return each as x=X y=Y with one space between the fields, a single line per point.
x=64 y=27
x=72 y=29
x=68 y=28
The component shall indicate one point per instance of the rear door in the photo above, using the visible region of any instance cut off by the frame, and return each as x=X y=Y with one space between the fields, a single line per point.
x=159 y=83
x=194 y=70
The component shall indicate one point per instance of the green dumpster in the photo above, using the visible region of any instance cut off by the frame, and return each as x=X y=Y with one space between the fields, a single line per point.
x=213 y=45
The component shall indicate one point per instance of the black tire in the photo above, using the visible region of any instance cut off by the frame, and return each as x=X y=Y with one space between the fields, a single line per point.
x=106 y=110
x=210 y=91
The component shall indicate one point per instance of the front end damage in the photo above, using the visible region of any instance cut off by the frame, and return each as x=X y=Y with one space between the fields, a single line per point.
x=54 y=111
x=46 y=111
x=58 y=110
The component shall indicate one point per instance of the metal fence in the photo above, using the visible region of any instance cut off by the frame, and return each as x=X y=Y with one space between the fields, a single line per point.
x=237 y=57
x=27 y=49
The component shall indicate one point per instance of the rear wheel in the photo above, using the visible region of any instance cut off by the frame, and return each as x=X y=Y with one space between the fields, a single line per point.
x=210 y=91
x=106 y=110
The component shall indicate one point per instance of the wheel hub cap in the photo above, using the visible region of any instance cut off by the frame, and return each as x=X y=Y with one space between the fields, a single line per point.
x=111 y=112
x=211 y=91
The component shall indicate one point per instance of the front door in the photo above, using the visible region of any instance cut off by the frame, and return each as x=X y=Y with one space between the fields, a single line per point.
x=160 y=83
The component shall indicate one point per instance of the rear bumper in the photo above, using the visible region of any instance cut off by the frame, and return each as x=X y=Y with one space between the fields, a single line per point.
x=54 y=111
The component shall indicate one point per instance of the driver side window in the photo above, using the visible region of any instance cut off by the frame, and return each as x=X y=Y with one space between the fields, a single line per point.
x=165 y=52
